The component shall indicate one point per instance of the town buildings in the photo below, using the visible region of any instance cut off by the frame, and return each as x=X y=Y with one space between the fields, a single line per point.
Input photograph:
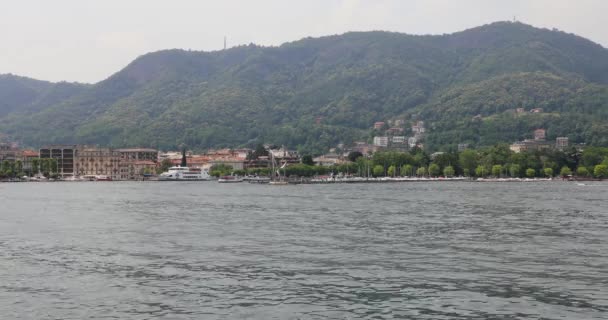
x=117 y=164
x=539 y=143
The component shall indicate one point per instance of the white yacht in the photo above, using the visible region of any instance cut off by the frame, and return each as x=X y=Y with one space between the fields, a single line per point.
x=184 y=174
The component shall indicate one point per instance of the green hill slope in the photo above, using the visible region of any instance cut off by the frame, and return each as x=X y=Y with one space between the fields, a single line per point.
x=252 y=94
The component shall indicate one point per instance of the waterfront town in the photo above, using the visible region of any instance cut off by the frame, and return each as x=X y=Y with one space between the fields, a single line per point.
x=388 y=137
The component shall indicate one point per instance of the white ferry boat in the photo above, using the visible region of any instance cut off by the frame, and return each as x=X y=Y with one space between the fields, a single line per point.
x=184 y=174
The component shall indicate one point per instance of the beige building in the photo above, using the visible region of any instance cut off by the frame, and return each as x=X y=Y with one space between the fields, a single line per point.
x=98 y=162
x=133 y=161
x=138 y=154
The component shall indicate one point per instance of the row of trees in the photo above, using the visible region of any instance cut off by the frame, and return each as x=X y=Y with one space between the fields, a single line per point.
x=496 y=161
x=13 y=169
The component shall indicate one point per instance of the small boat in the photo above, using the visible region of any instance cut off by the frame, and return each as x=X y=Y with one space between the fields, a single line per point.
x=103 y=178
x=259 y=180
x=230 y=179
x=278 y=183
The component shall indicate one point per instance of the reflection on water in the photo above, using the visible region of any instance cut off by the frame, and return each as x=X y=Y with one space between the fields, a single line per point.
x=203 y=250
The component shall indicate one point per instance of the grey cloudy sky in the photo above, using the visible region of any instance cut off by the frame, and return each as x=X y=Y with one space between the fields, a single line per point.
x=88 y=40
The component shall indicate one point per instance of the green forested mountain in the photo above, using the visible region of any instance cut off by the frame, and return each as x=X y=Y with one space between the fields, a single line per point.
x=250 y=94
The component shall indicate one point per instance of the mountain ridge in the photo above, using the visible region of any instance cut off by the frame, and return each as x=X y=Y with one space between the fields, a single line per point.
x=250 y=94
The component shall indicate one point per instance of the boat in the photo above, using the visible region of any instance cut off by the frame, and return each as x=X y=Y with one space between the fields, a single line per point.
x=180 y=173
x=103 y=178
x=230 y=179
x=74 y=179
x=259 y=180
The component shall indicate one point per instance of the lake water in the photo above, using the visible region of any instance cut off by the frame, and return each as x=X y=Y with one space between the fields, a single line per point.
x=205 y=250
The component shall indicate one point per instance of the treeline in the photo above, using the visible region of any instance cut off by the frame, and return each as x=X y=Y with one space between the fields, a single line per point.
x=12 y=169
x=496 y=161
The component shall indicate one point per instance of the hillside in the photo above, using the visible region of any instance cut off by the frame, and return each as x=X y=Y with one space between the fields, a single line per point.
x=251 y=94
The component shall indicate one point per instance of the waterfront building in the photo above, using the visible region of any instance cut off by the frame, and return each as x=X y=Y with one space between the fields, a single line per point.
x=329 y=160
x=236 y=164
x=138 y=154
x=26 y=158
x=133 y=160
x=140 y=168
x=64 y=154
x=92 y=161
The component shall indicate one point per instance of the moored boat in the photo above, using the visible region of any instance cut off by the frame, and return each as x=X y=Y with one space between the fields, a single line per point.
x=180 y=173
x=230 y=179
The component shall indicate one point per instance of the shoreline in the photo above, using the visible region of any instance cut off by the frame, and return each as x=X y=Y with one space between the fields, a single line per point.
x=348 y=180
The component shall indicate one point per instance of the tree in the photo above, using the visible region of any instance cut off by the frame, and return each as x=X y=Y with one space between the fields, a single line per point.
x=392 y=171
x=434 y=170
x=407 y=170
x=354 y=155
x=35 y=166
x=600 y=171
x=468 y=161
x=220 y=170
x=530 y=173
x=565 y=172
x=7 y=168
x=378 y=170
x=307 y=160
x=448 y=171
x=514 y=170
x=165 y=165
x=421 y=172
x=582 y=172
x=548 y=172
x=53 y=166
x=480 y=171
x=497 y=170
x=19 y=168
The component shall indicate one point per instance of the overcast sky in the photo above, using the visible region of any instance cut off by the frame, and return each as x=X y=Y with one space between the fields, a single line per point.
x=88 y=40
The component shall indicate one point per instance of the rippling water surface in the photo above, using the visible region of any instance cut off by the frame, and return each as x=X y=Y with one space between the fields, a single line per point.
x=384 y=251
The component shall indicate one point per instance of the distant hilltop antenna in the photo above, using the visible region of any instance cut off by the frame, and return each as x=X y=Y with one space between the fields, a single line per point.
x=224 y=42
